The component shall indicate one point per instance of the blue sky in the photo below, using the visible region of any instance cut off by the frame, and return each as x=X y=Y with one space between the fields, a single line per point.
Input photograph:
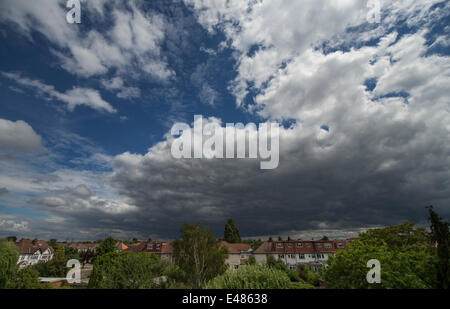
x=85 y=111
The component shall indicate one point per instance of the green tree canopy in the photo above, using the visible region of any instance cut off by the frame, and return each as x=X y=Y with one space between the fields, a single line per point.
x=405 y=258
x=8 y=260
x=27 y=278
x=231 y=233
x=199 y=255
x=126 y=270
x=106 y=246
x=251 y=277
x=441 y=236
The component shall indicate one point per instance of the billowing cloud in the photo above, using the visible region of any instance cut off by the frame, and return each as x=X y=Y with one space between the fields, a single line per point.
x=18 y=136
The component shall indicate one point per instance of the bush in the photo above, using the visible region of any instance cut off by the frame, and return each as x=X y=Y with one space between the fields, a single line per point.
x=126 y=270
x=8 y=260
x=251 y=277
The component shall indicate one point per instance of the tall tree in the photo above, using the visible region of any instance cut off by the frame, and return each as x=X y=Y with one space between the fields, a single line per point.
x=199 y=255
x=441 y=236
x=8 y=260
x=107 y=245
x=231 y=233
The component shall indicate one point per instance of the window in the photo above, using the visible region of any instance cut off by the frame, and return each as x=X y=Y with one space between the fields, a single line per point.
x=319 y=245
x=301 y=256
x=289 y=245
x=299 y=245
x=328 y=245
x=308 y=245
x=340 y=245
x=243 y=257
x=236 y=266
x=281 y=256
x=280 y=245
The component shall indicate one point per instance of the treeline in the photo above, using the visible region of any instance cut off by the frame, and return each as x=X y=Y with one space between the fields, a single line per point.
x=409 y=257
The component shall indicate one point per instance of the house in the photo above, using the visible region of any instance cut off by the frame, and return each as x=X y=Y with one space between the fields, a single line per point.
x=120 y=246
x=33 y=251
x=297 y=252
x=238 y=254
x=163 y=249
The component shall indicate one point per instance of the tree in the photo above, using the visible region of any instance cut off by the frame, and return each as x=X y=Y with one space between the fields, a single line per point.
x=231 y=233
x=11 y=238
x=441 y=236
x=404 y=255
x=126 y=270
x=8 y=260
x=251 y=260
x=52 y=243
x=107 y=245
x=199 y=255
x=57 y=267
x=27 y=278
x=278 y=264
x=251 y=277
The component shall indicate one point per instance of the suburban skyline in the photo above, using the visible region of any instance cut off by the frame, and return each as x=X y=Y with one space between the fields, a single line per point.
x=86 y=112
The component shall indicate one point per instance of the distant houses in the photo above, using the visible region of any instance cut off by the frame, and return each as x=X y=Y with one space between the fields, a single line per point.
x=33 y=251
x=292 y=252
x=300 y=252
x=238 y=254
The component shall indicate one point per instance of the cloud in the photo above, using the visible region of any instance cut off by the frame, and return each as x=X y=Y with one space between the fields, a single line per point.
x=130 y=46
x=73 y=97
x=3 y=191
x=78 y=201
x=18 y=136
x=116 y=84
x=16 y=227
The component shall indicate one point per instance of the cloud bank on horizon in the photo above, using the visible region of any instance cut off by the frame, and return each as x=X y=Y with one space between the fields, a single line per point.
x=86 y=111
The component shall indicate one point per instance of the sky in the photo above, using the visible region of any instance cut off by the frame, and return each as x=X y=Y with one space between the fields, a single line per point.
x=86 y=111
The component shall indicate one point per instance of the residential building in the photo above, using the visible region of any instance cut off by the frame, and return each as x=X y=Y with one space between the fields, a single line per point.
x=297 y=252
x=163 y=249
x=33 y=251
x=238 y=254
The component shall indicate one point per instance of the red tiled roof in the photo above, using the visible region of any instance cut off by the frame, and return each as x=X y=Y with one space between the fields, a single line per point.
x=235 y=248
x=300 y=246
x=28 y=246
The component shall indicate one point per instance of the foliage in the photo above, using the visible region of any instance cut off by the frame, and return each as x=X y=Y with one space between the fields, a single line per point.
x=231 y=233
x=251 y=277
x=199 y=255
x=106 y=246
x=11 y=238
x=405 y=260
x=254 y=243
x=251 y=260
x=278 y=264
x=309 y=275
x=297 y=285
x=8 y=260
x=57 y=267
x=27 y=278
x=126 y=270
x=441 y=236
